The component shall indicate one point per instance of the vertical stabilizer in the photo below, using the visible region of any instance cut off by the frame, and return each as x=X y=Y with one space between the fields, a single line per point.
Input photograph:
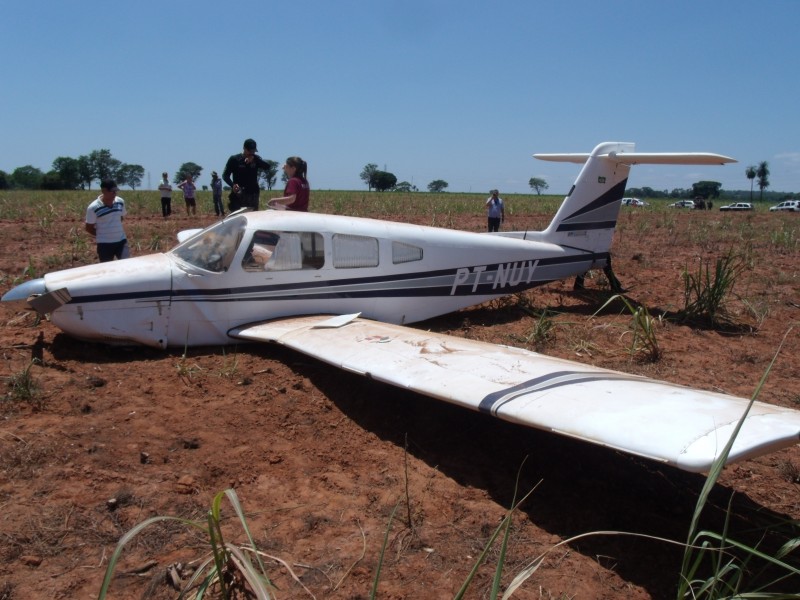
x=588 y=215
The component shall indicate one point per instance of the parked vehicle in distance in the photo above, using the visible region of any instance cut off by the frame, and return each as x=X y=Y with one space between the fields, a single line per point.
x=633 y=202
x=737 y=206
x=791 y=205
x=682 y=204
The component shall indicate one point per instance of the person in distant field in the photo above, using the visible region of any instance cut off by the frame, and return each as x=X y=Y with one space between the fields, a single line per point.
x=166 y=195
x=216 y=193
x=297 y=191
x=495 y=211
x=104 y=219
x=189 y=188
x=241 y=173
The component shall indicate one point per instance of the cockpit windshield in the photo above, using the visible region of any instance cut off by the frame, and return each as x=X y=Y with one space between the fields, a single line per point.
x=213 y=249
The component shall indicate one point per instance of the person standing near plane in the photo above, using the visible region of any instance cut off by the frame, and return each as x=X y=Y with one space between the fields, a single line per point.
x=241 y=173
x=216 y=193
x=188 y=187
x=495 y=210
x=104 y=219
x=166 y=195
x=297 y=191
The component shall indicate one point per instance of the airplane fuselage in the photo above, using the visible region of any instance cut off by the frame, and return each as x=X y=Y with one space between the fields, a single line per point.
x=310 y=264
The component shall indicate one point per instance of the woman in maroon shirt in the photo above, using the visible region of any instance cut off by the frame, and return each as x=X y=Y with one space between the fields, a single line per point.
x=296 y=193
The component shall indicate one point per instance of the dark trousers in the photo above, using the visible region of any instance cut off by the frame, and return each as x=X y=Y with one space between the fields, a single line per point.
x=218 y=209
x=494 y=224
x=107 y=252
x=244 y=200
x=166 y=206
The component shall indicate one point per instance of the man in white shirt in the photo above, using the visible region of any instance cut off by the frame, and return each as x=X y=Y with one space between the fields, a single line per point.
x=495 y=211
x=104 y=222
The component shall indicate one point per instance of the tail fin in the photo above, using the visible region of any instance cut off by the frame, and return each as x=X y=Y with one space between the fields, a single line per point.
x=588 y=215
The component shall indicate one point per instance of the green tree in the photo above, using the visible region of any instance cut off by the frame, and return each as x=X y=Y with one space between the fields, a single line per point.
x=367 y=175
x=52 y=181
x=751 y=172
x=5 y=180
x=437 y=185
x=68 y=171
x=537 y=185
x=27 y=177
x=103 y=165
x=383 y=180
x=706 y=189
x=270 y=176
x=188 y=168
x=130 y=175
x=762 y=173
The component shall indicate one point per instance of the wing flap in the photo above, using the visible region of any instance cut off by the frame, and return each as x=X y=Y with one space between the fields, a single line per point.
x=674 y=424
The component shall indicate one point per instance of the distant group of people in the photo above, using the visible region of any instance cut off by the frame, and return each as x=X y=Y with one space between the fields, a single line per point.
x=104 y=216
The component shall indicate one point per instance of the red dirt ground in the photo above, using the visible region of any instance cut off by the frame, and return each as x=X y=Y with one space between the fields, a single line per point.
x=319 y=458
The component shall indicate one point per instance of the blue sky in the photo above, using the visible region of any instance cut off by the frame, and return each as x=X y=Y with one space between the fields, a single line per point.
x=463 y=91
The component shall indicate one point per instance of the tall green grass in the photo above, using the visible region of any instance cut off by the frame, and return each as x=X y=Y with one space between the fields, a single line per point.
x=705 y=295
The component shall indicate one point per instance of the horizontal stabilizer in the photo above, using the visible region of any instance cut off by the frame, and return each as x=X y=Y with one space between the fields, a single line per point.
x=673 y=424
x=645 y=158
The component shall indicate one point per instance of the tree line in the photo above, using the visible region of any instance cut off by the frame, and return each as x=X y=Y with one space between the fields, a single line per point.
x=382 y=181
x=68 y=173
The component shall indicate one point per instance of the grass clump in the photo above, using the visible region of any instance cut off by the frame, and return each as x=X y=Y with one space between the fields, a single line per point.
x=23 y=387
x=644 y=341
x=705 y=295
x=541 y=332
x=228 y=571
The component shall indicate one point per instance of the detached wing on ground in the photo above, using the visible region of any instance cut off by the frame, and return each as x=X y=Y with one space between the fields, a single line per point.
x=677 y=425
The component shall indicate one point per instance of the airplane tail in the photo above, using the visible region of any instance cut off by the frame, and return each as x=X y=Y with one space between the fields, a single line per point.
x=588 y=214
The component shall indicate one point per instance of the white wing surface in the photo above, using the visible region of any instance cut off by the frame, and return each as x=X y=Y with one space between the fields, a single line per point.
x=677 y=425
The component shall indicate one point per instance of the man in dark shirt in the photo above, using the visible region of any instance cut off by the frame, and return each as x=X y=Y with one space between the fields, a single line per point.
x=241 y=173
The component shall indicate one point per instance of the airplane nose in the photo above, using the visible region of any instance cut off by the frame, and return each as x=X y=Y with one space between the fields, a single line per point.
x=24 y=290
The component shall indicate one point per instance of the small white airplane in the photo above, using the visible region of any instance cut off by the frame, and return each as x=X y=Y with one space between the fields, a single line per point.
x=279 y=276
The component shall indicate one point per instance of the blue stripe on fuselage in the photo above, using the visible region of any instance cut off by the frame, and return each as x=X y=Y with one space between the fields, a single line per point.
x=366 y=287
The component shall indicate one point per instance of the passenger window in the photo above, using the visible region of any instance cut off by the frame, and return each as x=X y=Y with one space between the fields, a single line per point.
x=313 y=248
x=403 y=253
x=354 y=251
x=284 y=251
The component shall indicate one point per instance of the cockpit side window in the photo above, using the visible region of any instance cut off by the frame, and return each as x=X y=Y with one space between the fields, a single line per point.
x=213 y=249
x=261 y=250
x=284 y=251
x=354 y=251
